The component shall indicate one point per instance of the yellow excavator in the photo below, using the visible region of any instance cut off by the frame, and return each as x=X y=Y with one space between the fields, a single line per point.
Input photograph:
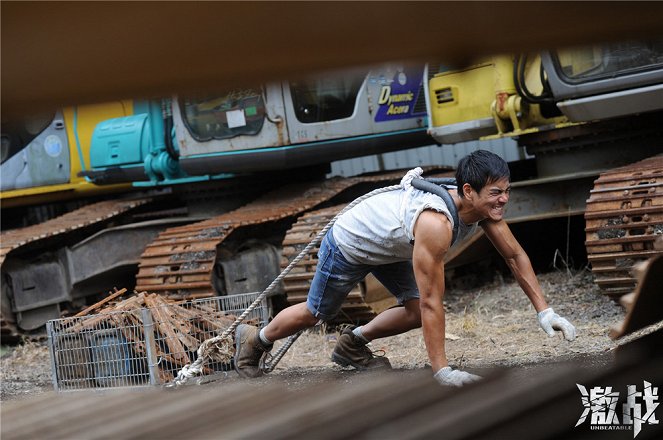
x=590 y=120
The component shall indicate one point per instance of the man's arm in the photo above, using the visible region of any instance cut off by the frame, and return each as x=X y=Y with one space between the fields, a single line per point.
x=506 y=244
x=521 y=267
x=432 y=240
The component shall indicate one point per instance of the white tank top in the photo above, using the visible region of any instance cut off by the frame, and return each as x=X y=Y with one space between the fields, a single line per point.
x=379 y=230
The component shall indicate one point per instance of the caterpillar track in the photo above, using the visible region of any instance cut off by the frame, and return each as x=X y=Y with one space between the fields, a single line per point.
x=624 y=216
x=32 y=237
x=180 y=262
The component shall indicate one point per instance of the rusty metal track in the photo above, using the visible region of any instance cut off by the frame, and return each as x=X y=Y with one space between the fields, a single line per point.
x=80 y=218
x=180 y=262
x=623 y=218
x=297 y=282
x=83 y=217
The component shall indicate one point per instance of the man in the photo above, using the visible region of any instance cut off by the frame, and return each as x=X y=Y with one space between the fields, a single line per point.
x=402 y=237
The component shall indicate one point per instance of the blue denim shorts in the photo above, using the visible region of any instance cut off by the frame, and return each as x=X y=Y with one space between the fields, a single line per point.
x=335 y=277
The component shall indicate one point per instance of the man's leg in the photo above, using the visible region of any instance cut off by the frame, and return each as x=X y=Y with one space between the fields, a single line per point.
x=334 y=278
x=398 y=278
x=351 y=347
x=393 y=321
x=289 y=321
x=251 y=343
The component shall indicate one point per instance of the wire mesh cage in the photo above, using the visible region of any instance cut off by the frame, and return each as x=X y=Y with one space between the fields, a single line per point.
x=142 y=346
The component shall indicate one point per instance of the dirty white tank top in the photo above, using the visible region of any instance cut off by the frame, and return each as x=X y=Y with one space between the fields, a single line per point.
x=379 y=230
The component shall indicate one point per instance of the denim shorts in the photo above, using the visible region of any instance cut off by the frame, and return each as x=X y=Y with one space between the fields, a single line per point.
x=335 y=277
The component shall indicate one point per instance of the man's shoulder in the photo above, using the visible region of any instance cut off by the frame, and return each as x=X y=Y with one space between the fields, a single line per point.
x=433 y=230
x=432 y=210
x=431 y=218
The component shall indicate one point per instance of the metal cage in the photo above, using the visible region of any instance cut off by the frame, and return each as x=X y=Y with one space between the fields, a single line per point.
x=141 y=347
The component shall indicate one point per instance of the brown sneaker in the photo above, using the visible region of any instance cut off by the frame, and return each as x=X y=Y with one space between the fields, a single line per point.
x=248 y=351
x=350 y=350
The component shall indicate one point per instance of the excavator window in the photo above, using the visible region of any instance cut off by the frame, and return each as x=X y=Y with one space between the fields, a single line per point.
x=325 y=99
x=240 y=112
x=16 y=135
x=589 y=63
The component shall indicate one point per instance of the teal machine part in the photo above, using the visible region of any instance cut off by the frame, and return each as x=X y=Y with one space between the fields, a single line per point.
x=121 y=141
x=133 y=140
x=159 y=165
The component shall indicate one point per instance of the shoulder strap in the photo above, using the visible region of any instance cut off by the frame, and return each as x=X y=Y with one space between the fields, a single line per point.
x=436 y=186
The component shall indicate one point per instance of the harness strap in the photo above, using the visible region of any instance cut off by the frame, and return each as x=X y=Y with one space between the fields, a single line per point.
x=437 y=186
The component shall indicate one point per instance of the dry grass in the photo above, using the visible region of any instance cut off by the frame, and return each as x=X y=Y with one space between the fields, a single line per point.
x=490 y=326
x=494 y=325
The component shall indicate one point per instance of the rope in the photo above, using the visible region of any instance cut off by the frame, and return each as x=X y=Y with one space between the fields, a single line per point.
x=220 y=348
x=645 y=331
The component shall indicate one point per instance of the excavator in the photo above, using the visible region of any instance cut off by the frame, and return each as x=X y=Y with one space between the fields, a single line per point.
x=590 y=117
x=90 y=191
x=205 y=211
x=55 y=60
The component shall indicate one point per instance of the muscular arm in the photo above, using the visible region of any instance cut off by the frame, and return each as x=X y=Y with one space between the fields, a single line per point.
x=432 y=240
x=516 y=258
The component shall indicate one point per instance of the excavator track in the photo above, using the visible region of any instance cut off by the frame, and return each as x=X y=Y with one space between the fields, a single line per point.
x=624 y=216
x=14 y=239
x=180 y=262
x=80 y=218
x=297 y=282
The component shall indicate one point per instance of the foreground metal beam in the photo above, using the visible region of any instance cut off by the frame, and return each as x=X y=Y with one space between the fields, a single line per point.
x=58 y=53
x=536 y=402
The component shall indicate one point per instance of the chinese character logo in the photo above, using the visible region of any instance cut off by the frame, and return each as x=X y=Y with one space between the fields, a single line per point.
x=601 y=403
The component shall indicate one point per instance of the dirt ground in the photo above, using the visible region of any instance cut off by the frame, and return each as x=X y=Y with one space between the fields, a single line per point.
x=489 y=326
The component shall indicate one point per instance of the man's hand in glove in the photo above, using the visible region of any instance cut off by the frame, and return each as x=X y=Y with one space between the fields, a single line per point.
x=551 y=321
x=454 y=378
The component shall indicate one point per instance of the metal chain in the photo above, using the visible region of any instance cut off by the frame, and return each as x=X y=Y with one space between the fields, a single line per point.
x=269 y=361
x=213 y=347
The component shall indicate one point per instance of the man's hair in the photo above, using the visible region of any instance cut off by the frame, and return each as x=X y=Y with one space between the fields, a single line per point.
x=480 y=168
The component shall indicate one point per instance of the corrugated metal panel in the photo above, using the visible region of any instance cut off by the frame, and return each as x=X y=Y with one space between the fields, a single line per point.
x=446 y=155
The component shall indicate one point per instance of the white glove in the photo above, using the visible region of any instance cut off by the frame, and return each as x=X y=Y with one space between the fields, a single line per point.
x=406 y=181
x=551 y=321
x=455 y=378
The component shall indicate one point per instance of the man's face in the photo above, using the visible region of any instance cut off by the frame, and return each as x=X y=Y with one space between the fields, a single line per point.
x=492 y=199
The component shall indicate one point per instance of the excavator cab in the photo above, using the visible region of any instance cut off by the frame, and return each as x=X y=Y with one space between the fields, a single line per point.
x=607 y=81
x=513 y=95
x=589 y=119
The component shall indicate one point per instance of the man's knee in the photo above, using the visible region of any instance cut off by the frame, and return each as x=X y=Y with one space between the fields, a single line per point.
x=413 y=313
x=415 y=320
x=307 y=317
x=311 y=320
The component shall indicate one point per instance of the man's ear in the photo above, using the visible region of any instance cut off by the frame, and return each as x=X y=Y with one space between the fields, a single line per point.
x=467 y=191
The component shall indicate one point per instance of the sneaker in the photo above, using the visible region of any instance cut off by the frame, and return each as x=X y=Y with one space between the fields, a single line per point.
x=248 y=351
x=352 y=351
